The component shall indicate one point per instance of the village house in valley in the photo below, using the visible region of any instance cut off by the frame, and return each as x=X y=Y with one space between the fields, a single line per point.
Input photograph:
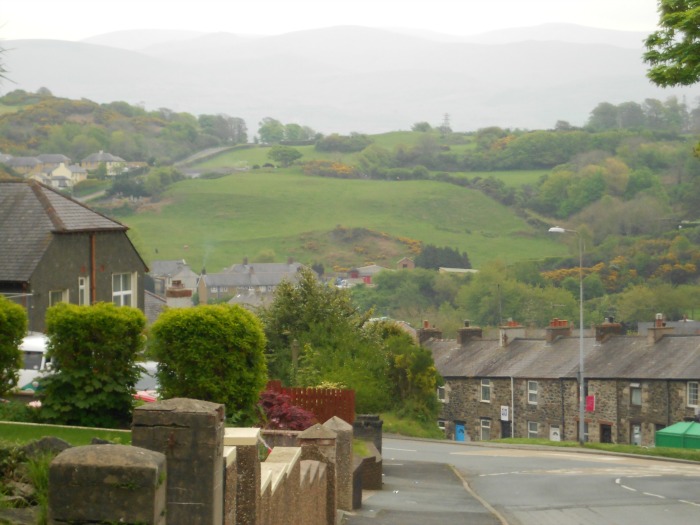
x=524 y=387
x=249 y=284
x=55 y=249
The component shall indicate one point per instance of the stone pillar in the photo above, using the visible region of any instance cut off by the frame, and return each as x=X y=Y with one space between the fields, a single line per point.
x=318 y=443
x=248 y=466
x=343 y=462
x=190 y=434
x=230 y=485
x=107 y=484
x=369 y=427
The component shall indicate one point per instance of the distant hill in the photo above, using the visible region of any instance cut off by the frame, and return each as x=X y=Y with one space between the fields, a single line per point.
x=345 y=79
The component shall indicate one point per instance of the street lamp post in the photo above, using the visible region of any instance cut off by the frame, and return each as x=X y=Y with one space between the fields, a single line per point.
x=581 y=388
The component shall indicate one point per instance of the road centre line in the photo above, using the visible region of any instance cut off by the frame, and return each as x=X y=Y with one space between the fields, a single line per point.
x=654 y=495
x=399 y=449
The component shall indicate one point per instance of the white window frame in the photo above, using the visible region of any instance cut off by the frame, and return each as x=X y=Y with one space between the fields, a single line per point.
x=124 y=296
x=83 y=290
x=692 y=393
x=532 y=387
x=485 y=428
x=442 y=394
x=533 y=434
x=485 y=390
x=636 y=394
x=63 y=297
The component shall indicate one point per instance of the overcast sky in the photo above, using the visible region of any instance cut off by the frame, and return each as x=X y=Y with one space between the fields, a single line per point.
x=79 y=19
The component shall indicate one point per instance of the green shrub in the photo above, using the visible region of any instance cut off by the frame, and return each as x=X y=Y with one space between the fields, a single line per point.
x=13 y=325
x=93 y=351
x=212 y=353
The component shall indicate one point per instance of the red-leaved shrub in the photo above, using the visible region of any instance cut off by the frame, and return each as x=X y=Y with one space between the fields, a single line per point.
x=281 y=414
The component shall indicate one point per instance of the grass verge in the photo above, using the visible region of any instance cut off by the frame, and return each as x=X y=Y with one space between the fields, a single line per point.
x=394 y=424
x=666 y=452
x=20 y=433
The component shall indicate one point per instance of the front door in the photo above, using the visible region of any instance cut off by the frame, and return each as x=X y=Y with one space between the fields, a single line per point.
x=506 y=431
x=605 y=433
x=459 y=432
x=636 y=432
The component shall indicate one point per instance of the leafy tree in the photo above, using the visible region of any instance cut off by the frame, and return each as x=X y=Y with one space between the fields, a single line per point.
x=271 y=131
x=433 y=257
x=285 y=155
x=673 y=52
x=310 y=313
x=213 y=353
x=13 y=325
x=422 y=127
x=93 y=350
x=604 y=117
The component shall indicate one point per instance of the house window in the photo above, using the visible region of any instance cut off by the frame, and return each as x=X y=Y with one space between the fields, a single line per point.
x=123 y=289
x=485 y=429
x=532 y=392
x=58 y=296
x=441 y=424
x=635 y=394
x=83 y=293
x=441 y=394
x=486 y=390
x=214 y=289
x=692 y=393
x=533 y=429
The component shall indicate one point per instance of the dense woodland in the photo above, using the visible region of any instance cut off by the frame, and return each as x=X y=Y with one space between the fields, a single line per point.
x=628 y=181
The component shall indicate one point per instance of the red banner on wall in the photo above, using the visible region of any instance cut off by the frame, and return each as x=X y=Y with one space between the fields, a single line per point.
x=590 y=403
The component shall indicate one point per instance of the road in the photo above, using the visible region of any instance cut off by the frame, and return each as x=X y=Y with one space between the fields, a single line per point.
x=535 y=486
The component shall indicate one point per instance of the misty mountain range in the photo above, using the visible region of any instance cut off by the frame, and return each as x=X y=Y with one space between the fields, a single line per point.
x=345 y=79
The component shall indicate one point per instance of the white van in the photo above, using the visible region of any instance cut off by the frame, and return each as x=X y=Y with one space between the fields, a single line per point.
x=34 y=363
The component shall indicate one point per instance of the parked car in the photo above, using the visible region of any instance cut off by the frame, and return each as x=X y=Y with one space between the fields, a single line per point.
x=34 y=362
x=147 y=385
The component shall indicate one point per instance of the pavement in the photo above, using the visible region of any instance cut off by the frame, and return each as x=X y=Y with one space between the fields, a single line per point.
x=416 y=493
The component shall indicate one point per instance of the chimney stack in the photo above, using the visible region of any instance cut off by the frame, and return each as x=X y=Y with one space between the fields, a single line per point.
x=511 y=330
x=426 y=333
x=557 y=328
x=656 y=332
x=467 y=333
x=604 y=331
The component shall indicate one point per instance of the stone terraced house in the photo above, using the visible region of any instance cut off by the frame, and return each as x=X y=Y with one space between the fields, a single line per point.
x=525 y=387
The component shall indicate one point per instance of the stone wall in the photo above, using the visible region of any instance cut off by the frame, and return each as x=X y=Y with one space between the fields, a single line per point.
x=185 y=467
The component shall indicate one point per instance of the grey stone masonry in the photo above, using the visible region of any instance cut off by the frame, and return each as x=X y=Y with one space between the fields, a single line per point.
x=369 y=427
x=319 y=443
x=107 y=484
x=190 y=434
x=248 y=494
x=344 y=463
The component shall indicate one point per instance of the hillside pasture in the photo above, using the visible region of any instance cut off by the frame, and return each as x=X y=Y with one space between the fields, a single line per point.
x=216 y=223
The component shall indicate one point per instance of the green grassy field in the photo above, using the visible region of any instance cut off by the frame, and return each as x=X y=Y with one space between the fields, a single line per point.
x=20 y=433
x=215 y=223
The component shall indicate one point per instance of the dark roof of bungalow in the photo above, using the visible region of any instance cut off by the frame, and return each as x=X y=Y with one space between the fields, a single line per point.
x=30 y=214
x=617 y=357
x=56 y=158
x=102 y=157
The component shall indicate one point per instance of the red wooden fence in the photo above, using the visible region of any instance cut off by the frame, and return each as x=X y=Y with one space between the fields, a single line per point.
x=324 y=403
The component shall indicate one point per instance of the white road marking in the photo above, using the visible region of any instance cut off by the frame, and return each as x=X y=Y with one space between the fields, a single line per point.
x=654 y=495
x=689 y=502
x=400 y=449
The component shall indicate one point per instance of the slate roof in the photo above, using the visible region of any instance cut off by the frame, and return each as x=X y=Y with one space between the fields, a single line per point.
x=167 y=267
x=55 y=158
x=30 y=213
x=102 y=157
x=619 y=357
